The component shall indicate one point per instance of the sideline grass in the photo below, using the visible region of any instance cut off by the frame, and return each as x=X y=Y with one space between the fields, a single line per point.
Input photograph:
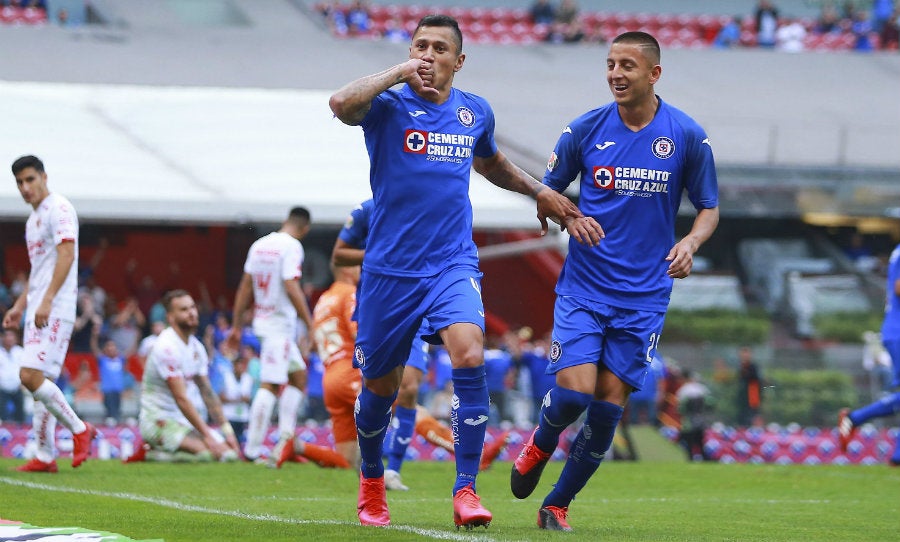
x=625 y=501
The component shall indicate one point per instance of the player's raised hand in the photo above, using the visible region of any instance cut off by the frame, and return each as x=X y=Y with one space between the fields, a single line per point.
x=419 y=75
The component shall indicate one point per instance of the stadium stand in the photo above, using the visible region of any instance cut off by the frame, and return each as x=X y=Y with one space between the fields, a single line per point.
x=514 y=26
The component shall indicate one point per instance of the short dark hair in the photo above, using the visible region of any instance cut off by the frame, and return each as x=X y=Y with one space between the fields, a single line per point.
x=25 y=162
x=439 y=19
x=645 y=41
x=300 y=215
x=171 y=295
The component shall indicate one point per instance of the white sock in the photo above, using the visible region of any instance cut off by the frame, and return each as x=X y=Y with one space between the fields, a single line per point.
x=44 y=427
x=56 y=403
x=260 y=414
x=288 y=406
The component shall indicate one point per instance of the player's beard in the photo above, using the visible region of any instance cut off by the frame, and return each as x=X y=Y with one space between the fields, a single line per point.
x=186 y=328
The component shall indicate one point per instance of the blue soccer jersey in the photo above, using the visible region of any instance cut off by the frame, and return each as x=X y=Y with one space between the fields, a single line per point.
x=421 y=156
x=631 y=183
x=356 y=229
x=890 y=328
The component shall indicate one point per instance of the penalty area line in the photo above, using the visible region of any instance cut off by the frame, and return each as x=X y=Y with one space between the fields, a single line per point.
x=425 y=533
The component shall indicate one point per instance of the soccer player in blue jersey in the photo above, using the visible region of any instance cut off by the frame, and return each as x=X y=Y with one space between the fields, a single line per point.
x=890 y=337
x=636 y=156
x=349 y=249
x=423 y=140
x=409 y=417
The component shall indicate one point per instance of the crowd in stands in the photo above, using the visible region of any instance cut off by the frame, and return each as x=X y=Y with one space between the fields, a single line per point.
x=23 y=12
x=848 y=26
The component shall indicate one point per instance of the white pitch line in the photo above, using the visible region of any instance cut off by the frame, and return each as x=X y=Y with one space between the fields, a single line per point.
x=426 y=533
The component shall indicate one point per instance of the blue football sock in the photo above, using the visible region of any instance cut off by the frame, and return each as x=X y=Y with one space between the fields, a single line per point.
x=560 y=409
x=895 y=459
x=373 y=415
x=587 y=452
x=879 y=409
x=469 y=422
x=401 y=436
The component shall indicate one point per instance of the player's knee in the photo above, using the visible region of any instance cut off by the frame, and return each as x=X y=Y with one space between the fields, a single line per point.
x=408 y=395
x=472 y=356
x=31 y=378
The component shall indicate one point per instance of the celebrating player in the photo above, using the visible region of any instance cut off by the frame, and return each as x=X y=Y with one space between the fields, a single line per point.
x=409 y=416
x=635 y=155
x=423 y=139
x=48 y=302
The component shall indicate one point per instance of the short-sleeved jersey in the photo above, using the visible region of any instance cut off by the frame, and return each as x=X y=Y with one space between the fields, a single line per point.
x=170 y=357
x=421 y=157
x=632 y=184
x=53 y=222
x=356 y=228
x=272 y=260
x=890 y=328
x=335 y=329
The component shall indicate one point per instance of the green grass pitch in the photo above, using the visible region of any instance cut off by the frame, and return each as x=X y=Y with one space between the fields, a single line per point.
x=655 y=501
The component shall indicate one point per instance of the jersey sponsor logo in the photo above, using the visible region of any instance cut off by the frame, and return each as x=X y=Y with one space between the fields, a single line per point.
x=605 y=144
x=415 y=141
x=604 y=177
x=440 y=147
x=416 y=113
x=555 y=353
x=630 y=181
x=476 y=421
x=552 y=162
x=663 y=147
x=465 y=116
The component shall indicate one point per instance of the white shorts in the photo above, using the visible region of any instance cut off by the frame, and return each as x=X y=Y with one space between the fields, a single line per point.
x=279 y=357
x=45 y=348
x=163 y=432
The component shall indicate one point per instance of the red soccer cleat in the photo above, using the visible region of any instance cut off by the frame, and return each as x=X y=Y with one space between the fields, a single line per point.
x=36 y=465
x=846 y=429
x=492 y=450
x=467 y=510
x=526 y=471
x=553 y=518
x=372 y=508
x=139 y=455
x=82 y=445
x=286 y=453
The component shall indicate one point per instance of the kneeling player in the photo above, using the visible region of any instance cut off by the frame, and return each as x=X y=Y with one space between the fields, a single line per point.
x=170 y=425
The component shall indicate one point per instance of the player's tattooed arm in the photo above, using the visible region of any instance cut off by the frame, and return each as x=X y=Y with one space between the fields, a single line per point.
x=352 y=102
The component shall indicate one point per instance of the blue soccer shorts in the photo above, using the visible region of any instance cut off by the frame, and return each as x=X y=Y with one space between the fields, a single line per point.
x=391 y=309
x=418 y=354
x=622 y=340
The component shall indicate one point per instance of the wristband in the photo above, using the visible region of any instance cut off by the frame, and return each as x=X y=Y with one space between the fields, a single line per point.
x=227 y=430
